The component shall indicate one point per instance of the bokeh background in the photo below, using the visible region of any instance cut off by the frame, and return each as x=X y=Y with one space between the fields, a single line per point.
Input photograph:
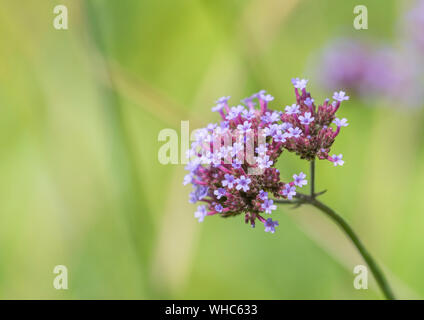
x=81 y=185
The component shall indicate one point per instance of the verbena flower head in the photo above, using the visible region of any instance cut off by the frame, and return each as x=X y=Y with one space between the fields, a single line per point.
x=232 y=163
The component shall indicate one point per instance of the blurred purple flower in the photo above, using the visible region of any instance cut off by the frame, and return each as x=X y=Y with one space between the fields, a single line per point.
x=344 y=63
x=413 y=25
x=370 y=70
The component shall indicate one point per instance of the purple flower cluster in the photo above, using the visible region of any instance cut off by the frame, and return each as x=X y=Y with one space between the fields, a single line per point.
x=309 y=132
x=231 y=163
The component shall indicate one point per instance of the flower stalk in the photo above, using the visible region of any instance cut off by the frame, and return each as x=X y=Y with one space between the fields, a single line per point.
x=312 y=171
x=311 y=199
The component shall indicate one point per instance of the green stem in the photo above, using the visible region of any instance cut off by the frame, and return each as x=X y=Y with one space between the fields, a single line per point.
x=312 y=178
x=311 y=199
x=375 y=269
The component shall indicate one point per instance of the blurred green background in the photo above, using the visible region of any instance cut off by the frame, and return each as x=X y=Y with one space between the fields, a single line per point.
x=81 y=186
